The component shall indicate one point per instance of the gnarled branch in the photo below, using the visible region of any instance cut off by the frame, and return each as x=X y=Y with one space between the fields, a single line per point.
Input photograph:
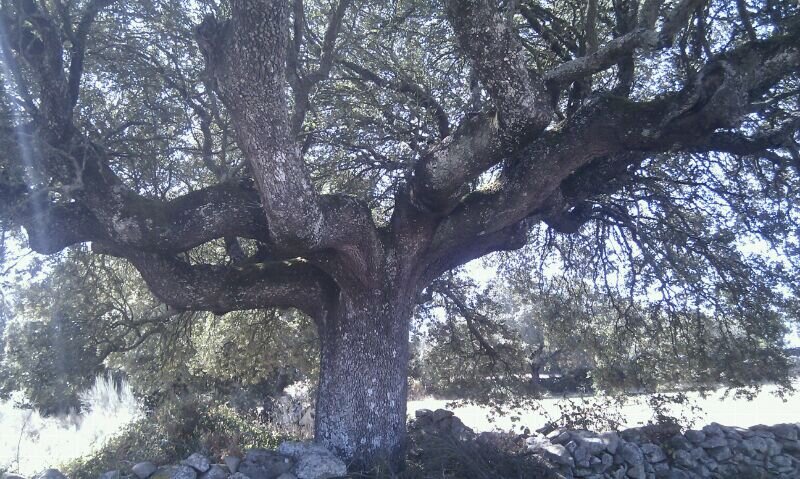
x=220 y=289
x=717 y=98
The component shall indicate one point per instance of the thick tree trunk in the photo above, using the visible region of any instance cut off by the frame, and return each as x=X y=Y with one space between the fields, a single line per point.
x=361 y=402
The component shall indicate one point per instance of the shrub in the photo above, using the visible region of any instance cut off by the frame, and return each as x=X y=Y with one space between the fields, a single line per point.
x=139 y=441
x=490 y=455
x=173 y=432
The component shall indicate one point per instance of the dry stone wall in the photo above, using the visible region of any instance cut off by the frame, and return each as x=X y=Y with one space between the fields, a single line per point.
x=292 y=460
x=713 y=452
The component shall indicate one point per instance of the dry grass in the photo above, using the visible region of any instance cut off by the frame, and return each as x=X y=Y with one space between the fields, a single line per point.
x=765 y=408
x=30 y=442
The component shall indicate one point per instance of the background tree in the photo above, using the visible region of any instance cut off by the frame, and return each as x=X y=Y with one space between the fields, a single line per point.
x=532 y=331
x=86 y=314
x=339 y=157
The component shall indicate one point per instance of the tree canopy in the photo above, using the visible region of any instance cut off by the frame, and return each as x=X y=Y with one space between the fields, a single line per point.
x=631 y=166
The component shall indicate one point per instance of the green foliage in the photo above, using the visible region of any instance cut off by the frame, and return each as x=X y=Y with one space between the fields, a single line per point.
x=49 y=362
x=172 y=433
x=90 y=313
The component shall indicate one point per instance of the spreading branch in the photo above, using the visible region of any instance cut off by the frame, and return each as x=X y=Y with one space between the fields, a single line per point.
x=609 y=125
x=644 y=38
x=220 y=289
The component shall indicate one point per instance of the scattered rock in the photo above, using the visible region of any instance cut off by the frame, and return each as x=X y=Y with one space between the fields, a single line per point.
x=631 y=453
x=50 y=474
x=314 y=461
x=440 y=414
x=232 y=462
x=215 y=471
x=695 y=436
x=143 y=470
x=198 y=462
x=175 y=472
x=558 y=454
x=264 y=464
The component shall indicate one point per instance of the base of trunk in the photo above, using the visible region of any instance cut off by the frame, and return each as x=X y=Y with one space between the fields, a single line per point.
x=361 y=402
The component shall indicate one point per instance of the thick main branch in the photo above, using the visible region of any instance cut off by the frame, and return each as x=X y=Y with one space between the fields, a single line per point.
x=220 y=289
x=522 y=108
x=718 y=97
x=247 y=57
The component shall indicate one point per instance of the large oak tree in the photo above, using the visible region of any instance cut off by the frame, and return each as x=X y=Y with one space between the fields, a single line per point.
x=346 y=154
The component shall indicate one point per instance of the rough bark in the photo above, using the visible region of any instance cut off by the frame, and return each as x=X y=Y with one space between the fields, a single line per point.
x=252 y=49
x=361 y=402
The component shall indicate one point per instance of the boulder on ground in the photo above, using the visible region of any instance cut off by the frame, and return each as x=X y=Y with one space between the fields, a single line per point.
x=264 y=464
x=632 y=454
x=653 y=453
x=558 y=454
x=232 y=462
x=215 y=471
x=175 y=472
x=50 y=474
x=314 y=461
x=143 y=470
x=441 y=414
x=198 y=462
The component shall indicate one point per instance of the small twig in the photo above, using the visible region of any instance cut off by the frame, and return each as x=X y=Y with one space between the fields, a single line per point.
x=21 y=433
